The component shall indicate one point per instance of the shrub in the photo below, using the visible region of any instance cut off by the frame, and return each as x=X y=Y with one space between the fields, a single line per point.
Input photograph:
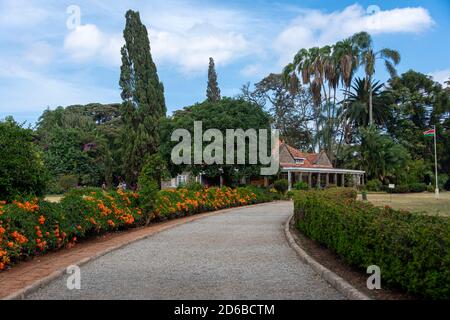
x=33 y=226
x=411 y=249
x=301 y=186
x=374 y=185
x=417 y=187
x=149 y=183
x=400 y=188
x=430 y=188
x=67 y=182
x=281 y=186
x=22 y=170
x=193 y=185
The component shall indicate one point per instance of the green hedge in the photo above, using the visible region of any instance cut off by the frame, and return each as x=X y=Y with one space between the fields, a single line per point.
x=411 y=249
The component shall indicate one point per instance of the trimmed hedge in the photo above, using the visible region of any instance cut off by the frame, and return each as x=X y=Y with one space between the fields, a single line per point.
x=411 y=249
x=34 y=226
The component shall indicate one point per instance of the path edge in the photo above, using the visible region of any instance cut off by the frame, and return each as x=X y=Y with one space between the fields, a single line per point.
x=22 y=293
x=337 y=282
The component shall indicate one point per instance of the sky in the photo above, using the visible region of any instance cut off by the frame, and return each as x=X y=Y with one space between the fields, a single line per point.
x=59 y=53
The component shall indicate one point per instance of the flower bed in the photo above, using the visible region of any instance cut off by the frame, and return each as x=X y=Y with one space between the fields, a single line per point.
x=412 y=250
x=34 y=226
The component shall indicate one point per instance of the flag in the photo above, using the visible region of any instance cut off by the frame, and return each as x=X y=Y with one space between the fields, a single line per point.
x=429 y=133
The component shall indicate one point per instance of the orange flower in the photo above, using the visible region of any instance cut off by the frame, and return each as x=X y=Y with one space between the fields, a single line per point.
x=111 y=223
x=10 y=244
x=2 y=230
x=41 y=219
x=2 y=266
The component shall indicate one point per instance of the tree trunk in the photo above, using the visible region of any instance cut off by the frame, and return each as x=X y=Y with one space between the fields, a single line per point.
x=370 y=103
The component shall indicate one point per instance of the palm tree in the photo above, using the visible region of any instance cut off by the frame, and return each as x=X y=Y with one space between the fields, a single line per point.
x=368 y=58
x=356 y=107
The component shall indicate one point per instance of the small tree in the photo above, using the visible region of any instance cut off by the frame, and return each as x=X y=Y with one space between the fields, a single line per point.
x=149 y=184
x=212 y=91
x=22 y=170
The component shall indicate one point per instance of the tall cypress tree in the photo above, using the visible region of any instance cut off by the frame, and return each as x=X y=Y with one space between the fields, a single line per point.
x=142 y=95
x=212 y=91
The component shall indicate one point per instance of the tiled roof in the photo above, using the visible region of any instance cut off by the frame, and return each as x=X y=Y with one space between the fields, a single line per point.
x=310 y=158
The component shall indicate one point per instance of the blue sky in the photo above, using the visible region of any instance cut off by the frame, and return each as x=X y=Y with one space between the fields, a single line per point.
x=44 y=63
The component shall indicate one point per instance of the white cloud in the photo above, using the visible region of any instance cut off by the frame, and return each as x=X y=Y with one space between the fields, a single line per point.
x=87 y=42
x=187 y=35
x=441 y=75
x=316 y=28
x=21 y=14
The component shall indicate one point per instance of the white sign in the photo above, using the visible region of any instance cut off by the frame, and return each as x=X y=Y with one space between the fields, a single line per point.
x=391 y=186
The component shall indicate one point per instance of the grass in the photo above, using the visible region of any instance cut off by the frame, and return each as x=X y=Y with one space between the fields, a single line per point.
x=417 y=202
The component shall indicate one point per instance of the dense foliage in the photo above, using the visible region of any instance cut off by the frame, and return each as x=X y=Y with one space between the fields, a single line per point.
x=79 y=143
x=412 y=250
x=22 y=169
x=225 y=114
x=34 y=226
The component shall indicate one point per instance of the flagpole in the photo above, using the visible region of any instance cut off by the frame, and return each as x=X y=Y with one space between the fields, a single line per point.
x=436 y=191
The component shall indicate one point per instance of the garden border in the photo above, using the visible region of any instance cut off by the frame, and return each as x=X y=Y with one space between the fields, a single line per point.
x=22 y=293
x=341 y=285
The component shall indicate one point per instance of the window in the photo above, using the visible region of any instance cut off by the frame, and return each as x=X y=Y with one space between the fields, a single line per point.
x=299 y=160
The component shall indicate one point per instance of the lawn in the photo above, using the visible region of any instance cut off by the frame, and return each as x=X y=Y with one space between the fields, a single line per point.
x=423 y=202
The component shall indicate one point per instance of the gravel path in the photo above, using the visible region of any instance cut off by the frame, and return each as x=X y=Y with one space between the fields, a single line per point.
x=241 y=254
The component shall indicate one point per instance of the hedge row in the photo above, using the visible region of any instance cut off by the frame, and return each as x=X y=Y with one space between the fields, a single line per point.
x=33 y=227
x=411 y=249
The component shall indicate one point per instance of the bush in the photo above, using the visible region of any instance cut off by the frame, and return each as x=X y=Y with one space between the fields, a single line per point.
x=411 y=249
x=67 y=182
x=149 y=184
x=430 y=188
x=301 y=186
x=417 y=187
x=400 y=188
x=22 y=170
x=281 y=186
x=33 y=226
x=374 y=185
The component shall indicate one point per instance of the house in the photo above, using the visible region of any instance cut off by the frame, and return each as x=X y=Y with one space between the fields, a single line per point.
x=315 y=169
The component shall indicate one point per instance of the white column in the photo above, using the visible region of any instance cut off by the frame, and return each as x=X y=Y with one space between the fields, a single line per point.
x=289 y=181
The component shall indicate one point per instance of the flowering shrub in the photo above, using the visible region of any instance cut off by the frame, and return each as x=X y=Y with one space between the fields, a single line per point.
x=172 y=203
x=412 y=250
x=34 y=226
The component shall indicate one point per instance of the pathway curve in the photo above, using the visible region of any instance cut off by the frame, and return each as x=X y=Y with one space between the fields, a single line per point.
x=240 y=254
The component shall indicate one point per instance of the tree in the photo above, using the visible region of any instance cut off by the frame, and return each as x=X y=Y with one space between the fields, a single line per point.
x=356 y=108
x=290 y=111
x=368 y=58
x=80 y=141
x=212 y=91
x=377 y=154
x=225 y=114
x=419 y=103
x=22 y=170
x=143 y=104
